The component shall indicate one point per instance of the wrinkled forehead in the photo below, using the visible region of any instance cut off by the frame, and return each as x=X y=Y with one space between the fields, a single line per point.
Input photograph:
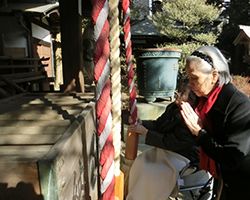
x=197 y=66
x=192 y=66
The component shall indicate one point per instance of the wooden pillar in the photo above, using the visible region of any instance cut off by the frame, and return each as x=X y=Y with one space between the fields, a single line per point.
x=71 y=40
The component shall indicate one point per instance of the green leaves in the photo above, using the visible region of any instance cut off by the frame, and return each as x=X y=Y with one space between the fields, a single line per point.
x=187 y=20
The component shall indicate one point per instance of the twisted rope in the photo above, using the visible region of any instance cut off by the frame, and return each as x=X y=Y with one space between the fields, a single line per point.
x=129 y=62
x=132 y=138
x=103 y=100
x=115 y=80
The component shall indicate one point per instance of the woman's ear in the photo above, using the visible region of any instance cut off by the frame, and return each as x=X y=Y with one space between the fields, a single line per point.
x=215 y=76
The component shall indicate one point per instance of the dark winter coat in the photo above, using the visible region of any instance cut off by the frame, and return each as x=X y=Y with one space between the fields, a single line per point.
x=170 y=132
x=229 y=141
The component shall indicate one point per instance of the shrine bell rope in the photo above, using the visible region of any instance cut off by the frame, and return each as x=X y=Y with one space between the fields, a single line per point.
x=130 y=65
x=103 y=100
x=129 y=62
x=115 y=80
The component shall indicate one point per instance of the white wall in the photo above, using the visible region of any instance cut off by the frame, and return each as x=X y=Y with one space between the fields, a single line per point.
x=40 y=33
x=44 y=35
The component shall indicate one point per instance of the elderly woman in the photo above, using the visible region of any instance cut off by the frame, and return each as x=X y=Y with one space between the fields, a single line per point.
x=155 y=171
x=221 y=121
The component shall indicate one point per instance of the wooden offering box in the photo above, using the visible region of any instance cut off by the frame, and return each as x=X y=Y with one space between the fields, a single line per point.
x=48 y=147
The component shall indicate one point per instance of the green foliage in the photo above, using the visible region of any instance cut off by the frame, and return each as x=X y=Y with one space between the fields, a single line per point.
x=138 y=11
x=206 y=38
x=188 y=20
x=189 y=24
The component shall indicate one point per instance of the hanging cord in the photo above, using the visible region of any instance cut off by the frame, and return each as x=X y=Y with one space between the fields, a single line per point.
x=115 y=80
x=103 y=99
x=132 y=138
x=116 y=94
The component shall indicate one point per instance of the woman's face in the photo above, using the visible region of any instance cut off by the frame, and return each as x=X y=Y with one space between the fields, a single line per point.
x=200 y=83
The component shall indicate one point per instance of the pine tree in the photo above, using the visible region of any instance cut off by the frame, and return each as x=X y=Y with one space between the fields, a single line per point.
x=188 y=21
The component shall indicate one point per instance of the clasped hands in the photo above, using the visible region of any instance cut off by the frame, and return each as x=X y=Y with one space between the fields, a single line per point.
x=138 y=128
x=190 y=117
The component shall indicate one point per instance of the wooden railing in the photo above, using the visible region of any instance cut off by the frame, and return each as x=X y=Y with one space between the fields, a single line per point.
x=22 y=74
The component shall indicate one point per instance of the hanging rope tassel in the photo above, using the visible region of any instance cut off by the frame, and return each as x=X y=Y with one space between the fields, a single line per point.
x=103 y=100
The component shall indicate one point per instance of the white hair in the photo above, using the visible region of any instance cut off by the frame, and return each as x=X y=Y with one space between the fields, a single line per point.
x=218 y=62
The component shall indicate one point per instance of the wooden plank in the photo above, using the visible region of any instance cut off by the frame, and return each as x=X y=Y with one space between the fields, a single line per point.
x=67 y=160
x=12 y=83
x=5 y=57
x=63 y=102
x=32 y=130
x=53 y=152
x=70 y=182
x=78 y=96
x=21 y=179
x=9 y=99
x=67 y=154
x=90 y=151
x=25 y=100
x=16 y=66
x=3 y=93
x=45 y=94
x=47 y=101
x=22 y=75
x=30 y=135
x=34 y=115
x=41 y=108
x=16 y=124
x=30 y=114
x=55 y=94
x=86 y=94
x=23 y=152
x=60 y=98
x=27 y=79
x=28 y=139
x=22 y=58
x=35 y=78
x=49 y=106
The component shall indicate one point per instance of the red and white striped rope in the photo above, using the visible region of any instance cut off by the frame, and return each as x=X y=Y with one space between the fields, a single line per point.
x=103 y=99
x=129 y=61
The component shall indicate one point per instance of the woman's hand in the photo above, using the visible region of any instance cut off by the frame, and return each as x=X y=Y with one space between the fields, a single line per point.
x=191 y=119
x=138 y=128
x=130 y=121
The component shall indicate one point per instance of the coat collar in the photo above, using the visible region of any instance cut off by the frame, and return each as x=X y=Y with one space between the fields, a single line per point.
x=224 y=97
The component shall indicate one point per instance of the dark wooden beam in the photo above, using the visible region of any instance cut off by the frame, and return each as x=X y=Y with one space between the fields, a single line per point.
x=71 y=41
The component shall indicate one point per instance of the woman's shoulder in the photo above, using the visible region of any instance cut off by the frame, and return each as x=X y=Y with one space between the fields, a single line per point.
x=230 y=96
x=237 y=95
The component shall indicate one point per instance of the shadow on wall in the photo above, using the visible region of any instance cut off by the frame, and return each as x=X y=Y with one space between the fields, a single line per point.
x=22 y=191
